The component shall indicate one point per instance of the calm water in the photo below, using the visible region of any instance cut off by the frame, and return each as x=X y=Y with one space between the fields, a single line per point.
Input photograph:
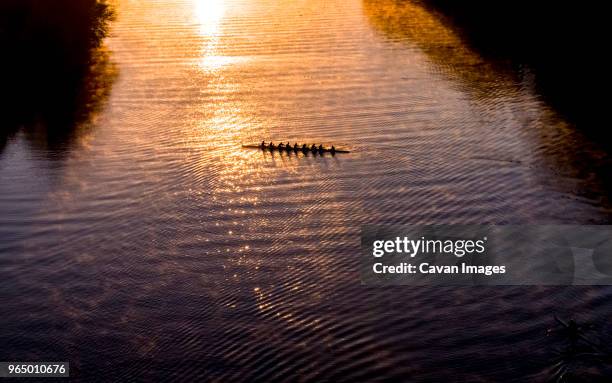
x=150 y=244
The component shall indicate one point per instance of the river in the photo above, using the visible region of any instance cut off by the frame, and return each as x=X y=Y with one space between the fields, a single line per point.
x=151 y=244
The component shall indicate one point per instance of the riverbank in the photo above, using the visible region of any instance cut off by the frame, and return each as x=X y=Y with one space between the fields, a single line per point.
x=539 y=35
x=50 y=60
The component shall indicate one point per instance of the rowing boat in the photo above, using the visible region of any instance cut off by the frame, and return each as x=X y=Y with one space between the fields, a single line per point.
x=298 y=149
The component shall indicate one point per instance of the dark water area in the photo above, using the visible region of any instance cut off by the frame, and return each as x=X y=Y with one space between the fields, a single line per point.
x=556 y=46
x=488 y=49
x=558 y=41
x=158 y=249
x=54 y=76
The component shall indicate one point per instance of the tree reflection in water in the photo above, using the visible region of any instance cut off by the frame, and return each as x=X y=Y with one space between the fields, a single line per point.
x=55 y=72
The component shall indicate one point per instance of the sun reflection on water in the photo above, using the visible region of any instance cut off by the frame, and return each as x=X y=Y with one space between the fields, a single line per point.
x=210 y=14
x=252 y=191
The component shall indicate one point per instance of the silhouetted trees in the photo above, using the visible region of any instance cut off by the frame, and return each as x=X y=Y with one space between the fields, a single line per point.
x=64 y=29
x=49 y=50
x=548 y=36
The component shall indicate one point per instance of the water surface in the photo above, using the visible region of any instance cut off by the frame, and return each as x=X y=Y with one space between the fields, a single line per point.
x=150 y=244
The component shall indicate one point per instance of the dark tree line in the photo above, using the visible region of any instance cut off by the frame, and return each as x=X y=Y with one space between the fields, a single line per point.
x=562 y=41
x=63 y=30
x=49 y=51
